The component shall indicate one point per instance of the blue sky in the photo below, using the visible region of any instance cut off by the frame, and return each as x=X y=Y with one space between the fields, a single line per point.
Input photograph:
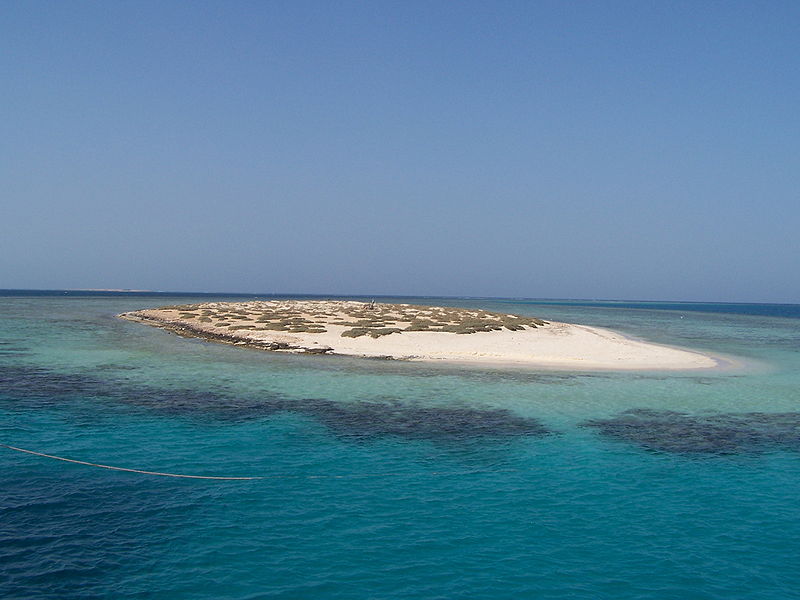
x=636 y=150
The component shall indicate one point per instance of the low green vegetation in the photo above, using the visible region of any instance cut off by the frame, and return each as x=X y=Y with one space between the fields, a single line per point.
x=358 y=319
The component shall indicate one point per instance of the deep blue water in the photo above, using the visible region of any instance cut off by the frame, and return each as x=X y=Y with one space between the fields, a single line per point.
x=790 y=311
x=395 y=480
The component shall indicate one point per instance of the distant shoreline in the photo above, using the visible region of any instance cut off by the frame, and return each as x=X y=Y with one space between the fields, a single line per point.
x=764 y=309
x=109 y=290
x=417 y=333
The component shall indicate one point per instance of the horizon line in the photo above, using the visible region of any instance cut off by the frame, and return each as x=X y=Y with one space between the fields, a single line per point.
x=100 y=291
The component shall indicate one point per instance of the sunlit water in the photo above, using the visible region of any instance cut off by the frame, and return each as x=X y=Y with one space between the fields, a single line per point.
x=395 y=480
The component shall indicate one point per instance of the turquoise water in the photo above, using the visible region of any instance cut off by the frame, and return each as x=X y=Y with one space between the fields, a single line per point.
x=395 y=480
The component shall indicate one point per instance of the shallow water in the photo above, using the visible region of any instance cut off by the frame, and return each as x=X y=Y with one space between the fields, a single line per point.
x=395 y=480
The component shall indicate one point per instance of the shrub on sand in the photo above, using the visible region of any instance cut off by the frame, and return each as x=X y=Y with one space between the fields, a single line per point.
x=376 y=333
x=355 y=332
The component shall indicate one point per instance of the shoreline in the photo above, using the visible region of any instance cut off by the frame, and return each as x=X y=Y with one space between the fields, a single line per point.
x=494 y=340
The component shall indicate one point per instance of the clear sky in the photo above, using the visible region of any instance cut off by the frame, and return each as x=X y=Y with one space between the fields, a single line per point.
x=629 y=150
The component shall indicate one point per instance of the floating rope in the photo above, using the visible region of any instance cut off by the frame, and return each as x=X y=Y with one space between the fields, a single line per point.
x=140 y=471
x=219 y=478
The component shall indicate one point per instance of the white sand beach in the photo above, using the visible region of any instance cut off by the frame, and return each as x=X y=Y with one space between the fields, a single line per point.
x=418 y=333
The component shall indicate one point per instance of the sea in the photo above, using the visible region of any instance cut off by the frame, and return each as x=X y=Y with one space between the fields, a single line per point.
x=394 y=480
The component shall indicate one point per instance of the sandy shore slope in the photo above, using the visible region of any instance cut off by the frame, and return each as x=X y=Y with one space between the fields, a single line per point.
x=407 y=332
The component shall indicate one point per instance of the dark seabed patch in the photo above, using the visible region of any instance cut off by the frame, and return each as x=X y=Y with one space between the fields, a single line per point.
x=42 y=387
x=10 y=349
x=24 y=387
x=115 y=367
x=374 y=419
x=682 y=433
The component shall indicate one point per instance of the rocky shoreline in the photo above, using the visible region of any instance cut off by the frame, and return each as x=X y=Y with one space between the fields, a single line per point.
x=187 y=330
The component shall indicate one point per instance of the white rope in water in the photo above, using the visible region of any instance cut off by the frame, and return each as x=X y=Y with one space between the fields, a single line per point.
x=90 y=464
x=219 y=478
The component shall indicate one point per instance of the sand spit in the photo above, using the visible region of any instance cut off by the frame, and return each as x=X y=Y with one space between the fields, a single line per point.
x=418 y=333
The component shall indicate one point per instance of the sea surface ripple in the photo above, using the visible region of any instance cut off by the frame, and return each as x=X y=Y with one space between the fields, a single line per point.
x=394 y=480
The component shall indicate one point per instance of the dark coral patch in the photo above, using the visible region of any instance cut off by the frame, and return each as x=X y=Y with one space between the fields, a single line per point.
x=32 y=387
x=682 y=433
x=375 y=419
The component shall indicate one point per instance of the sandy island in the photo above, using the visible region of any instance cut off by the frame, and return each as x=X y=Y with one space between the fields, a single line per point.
x=418 y=333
